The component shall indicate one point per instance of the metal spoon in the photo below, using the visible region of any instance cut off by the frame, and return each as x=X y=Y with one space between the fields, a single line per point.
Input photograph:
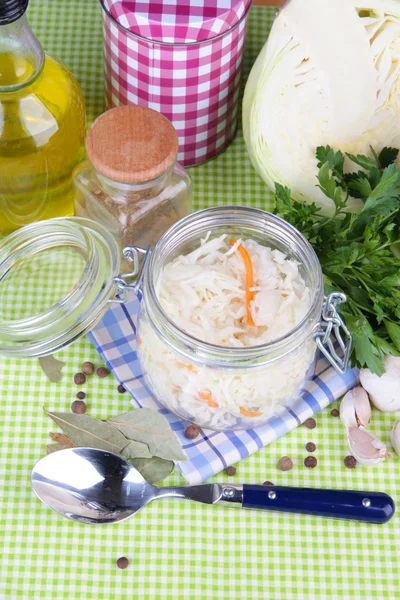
x=95 y=486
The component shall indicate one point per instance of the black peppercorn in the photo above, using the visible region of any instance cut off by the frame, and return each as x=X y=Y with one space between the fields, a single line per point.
x=350 y=462
x=192 y=432
x=88 y=368
x=79 y=378
x=102 y=372
x=231 y=471
x=78 y=407
x=122 y=562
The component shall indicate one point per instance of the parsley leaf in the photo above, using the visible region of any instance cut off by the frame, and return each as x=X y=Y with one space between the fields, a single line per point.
x=387 y=157
x=358 y=253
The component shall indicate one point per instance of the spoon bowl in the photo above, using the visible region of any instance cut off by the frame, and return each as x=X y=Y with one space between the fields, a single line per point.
x=90 y=486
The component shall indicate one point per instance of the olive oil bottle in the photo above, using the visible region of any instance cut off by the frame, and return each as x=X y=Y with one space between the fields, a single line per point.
x=42 y=126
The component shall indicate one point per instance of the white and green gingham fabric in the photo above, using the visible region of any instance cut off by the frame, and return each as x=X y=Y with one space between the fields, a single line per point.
x=180 y=550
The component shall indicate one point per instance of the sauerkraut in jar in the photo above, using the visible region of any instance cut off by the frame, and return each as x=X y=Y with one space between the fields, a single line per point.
x=230 y=301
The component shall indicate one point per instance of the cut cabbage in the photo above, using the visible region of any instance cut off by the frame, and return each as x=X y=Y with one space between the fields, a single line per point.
x=203 y=293
x=329 y=74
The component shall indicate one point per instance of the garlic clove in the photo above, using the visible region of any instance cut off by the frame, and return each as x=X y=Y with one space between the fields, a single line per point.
x=395 y=436
x=384 y=391
x=355 y=409
x=365 y=447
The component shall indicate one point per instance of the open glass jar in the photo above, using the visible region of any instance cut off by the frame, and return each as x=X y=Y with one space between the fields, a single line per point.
x=178 y=367
x=57 y=278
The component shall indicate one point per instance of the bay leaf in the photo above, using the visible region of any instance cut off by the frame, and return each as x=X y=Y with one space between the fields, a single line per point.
x=149 y=426
x=50 y=448
x=136 y=450
x=62 y=439
x=86 y=431
x=51 y=367
x=153 y=469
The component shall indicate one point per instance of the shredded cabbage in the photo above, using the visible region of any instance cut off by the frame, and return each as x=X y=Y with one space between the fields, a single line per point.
x=204 y=294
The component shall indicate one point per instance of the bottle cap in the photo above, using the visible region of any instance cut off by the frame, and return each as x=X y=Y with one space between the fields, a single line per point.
x=12 y=10
x=132 y=144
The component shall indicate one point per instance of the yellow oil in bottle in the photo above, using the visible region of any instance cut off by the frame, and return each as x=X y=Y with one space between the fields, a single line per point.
x=42 y=130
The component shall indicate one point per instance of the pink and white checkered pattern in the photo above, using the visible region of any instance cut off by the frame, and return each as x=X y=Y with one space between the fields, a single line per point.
x=196 y=86
x=177 y=21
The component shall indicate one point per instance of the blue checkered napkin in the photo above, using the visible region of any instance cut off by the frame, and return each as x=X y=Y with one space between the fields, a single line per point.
x=115 y=340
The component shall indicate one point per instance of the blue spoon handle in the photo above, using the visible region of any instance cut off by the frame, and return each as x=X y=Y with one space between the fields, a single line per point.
x=368 y=507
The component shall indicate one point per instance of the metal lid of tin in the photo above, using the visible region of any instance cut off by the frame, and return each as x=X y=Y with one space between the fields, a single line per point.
x=177 y=21
x=132 y=144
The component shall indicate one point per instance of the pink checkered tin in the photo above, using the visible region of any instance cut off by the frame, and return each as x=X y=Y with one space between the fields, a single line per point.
x=182 y=58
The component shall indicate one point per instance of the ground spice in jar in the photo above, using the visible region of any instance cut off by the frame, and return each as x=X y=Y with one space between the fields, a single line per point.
x=335 y=412
x=310 y=423
x=311 y=447
x=310 y=462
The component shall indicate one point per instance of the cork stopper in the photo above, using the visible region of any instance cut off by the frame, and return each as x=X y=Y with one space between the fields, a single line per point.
x=132 y=144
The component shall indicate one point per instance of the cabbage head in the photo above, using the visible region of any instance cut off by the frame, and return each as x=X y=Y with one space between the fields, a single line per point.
x=329 y=74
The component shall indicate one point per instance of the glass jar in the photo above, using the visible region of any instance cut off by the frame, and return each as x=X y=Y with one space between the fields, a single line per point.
x=132 y=184
x=42 y=126
x=56 y=280
x=58 y=277
x=178 y=367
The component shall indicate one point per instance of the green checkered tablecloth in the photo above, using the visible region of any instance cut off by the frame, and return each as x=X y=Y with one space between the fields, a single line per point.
x=179 y=550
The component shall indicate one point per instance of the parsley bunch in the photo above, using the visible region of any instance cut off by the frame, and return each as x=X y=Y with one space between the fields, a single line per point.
x=358 y=252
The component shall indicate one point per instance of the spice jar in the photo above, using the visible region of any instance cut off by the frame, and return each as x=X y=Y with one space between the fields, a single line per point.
x=132 y=183
x=179 y=367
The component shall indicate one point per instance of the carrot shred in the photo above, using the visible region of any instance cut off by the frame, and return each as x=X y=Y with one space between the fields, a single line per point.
x=208 y=396
x=139 y=340
x=191 y=368
x=249 y=279
x=249 y=413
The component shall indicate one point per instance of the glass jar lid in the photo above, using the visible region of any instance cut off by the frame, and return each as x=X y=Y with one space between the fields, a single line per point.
x=56 y=278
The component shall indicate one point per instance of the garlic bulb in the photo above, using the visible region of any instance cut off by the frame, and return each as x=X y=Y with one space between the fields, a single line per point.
x=384 y=391
x=365 y=447
x=355 y=409
x=395 y=436
x=355 y=412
